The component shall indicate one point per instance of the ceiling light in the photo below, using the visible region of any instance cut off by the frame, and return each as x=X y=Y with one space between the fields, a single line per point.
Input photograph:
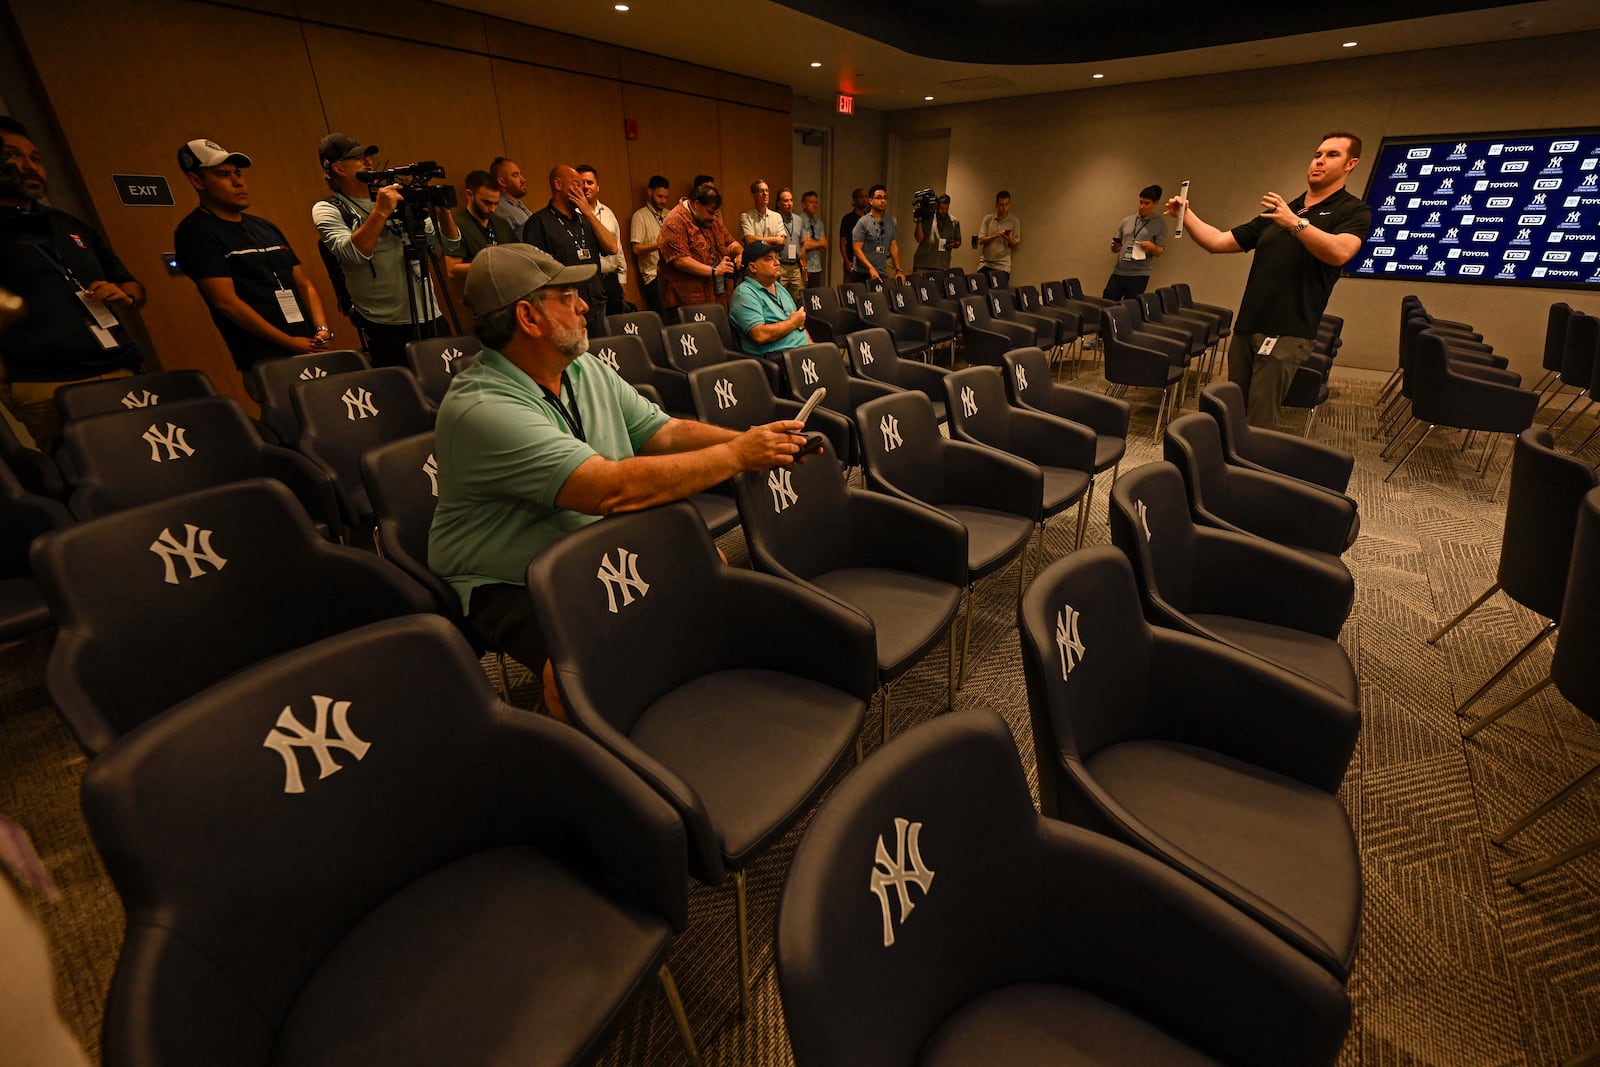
x=620 y=7
x=1349 y=44
x=816 y=64
x=927 y=98
x=1099 y=75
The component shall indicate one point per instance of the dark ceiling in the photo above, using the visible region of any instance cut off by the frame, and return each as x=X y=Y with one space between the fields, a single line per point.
x=1079 y=31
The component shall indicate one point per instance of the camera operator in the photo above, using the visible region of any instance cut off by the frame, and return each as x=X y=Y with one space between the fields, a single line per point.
x=391 y=298
x=568 y=229
x=937 y=235
x=72 y=285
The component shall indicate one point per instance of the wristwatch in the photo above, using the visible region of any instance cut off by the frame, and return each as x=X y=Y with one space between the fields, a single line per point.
x=1302 y=224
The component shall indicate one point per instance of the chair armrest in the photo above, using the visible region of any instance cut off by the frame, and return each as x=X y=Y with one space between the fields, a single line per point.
x=988 y=478
x=1020 y=334
x=1042 y=325
x=986 y=346
x=923 y=377
x=1503 y=406
x=1207 y=694
x=1297 y=457
x=1105 y=415
x=1203 y=971
x=633 y=835
x=908 y=327
x=1289 y=511
x=310 y=482
x=898 y=534
x=1235 y=574
x=865 y=389
x=1052 y=441
x=780 y=626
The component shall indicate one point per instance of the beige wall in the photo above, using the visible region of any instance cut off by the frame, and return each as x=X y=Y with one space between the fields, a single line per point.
x=1074 y=163
x=859 y=158
x=128 y=83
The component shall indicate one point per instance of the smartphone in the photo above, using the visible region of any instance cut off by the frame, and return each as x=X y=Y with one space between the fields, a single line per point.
x=1183 y=191
x=811 y=405
x=814 y=443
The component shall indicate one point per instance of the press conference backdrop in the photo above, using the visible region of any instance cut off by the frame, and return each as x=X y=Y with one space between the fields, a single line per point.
x=1496 y=209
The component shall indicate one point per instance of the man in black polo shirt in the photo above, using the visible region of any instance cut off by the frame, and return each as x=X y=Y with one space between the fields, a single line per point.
x=74 y=289
x=568 y=229
x=1300 y=245
x=264 y=305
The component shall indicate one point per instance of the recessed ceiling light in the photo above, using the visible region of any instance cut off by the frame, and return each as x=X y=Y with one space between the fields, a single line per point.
x=816 y=64
x=1099 y=75
x=1349 y=44
x=927 y=98
x=620 y=7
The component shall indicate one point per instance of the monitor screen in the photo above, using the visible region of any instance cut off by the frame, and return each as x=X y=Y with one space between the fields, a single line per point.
x=1486 y=208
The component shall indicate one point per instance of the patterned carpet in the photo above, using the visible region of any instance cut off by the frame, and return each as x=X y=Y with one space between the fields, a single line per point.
x=1455 y=967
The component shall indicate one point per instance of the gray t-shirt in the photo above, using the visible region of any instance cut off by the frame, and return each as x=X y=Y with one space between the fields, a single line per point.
x=1134 y=260
x=875 y=236
x=997 y=254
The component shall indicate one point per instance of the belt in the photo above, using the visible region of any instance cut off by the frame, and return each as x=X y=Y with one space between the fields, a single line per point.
x=788 y=262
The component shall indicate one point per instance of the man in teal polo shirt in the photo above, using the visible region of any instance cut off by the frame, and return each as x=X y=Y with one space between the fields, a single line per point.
x=539 y=438
x=762 y=310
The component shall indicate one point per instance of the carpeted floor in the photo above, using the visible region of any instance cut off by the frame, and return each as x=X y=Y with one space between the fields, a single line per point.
x=1455 y=967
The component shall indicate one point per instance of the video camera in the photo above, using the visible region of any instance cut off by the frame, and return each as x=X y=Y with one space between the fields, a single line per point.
x=413 y=179
x=924 y=204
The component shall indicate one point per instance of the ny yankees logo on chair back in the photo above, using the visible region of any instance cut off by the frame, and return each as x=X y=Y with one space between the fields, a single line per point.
x=622 y=578
x=289 y=734
x=900 y=872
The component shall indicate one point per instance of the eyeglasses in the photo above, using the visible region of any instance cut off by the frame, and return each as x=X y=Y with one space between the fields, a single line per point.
x=568 y=297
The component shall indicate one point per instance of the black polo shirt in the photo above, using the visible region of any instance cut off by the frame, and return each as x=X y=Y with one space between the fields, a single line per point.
x=570 y=239
x=1288 y=288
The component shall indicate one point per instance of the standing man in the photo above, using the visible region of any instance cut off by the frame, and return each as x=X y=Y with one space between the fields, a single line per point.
x=262 y=302
x=877 y=251
x=507 y=174
x=816 y=240
x=644 y=230
x=539 y=438
x=847 y=230
x=391 y=300
x=73 y=286
x=1140 y=240
x=792 y=274
x=937 y=238
x=697 y=252
x=764 y=312
x=998 y=237
x=1300 y=245
x=568 y=229
x=761 y=223
x=480 y=223
x=613 y=265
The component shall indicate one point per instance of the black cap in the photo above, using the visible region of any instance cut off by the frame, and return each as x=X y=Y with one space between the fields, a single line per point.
x=337 y=147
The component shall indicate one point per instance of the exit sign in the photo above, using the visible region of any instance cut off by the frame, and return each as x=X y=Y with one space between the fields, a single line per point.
x=847 y=104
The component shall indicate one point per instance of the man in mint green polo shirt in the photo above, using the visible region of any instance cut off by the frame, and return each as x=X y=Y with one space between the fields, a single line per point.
x=539 y=438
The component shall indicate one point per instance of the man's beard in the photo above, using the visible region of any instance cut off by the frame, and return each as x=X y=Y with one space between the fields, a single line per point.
x=571 y=343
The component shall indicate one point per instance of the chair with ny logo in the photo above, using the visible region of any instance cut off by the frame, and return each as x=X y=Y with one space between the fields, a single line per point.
x=872 y=355
x=271 y=384
x=647 y=327
x=341 y=417
x=1217 y=764
x=810 y=367
x=437 y=360
x=933 y=916
x=513 y=909
x=156 y=602
x=124 y=394
x=629 y=357
x=827 y=319
x=133 y=457
x=737 y=695
x=735 y=396
x=1030 y=386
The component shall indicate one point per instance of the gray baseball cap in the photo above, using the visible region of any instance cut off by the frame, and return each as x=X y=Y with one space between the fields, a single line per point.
x=501 y=275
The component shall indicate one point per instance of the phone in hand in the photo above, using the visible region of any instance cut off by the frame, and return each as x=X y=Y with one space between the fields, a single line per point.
x=813 y=444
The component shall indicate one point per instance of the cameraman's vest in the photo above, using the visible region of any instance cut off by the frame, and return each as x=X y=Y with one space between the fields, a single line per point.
x=335 y=269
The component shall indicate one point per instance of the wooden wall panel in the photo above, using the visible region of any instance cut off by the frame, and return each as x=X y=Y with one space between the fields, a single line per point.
x=755 y=144
x=412 y=20
x=516 y=40
x=132 y=116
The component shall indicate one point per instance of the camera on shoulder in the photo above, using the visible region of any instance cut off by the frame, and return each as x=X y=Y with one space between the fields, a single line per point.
x=413 y=179
x=924 y=204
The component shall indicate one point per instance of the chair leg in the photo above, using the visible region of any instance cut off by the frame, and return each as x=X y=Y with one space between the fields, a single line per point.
x=500 y=672
x=1084 y=506
x=1311 y=417
x=966 y=639
x=679 y=1016
x=1407 y=456
x=1522 y=874
x=1505 y=472
x=1022 y=566
x=1579 y=395
x=1587 y=404
x=1510 y=665
x=744 y=943
x=1497 y=713
x=950 y=668
x=1547 y=807
x=1468 y=610
x=1585 y=442
x=1400 y=435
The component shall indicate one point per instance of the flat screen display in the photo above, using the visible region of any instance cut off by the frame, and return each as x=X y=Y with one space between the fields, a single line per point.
x=1486 y=208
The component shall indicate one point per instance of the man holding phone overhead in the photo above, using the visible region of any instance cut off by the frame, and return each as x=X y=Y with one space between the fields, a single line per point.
x=1300 y=245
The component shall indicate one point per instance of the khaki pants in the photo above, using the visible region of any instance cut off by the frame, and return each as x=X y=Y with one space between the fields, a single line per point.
x=1265 y=379
x=789 y=277
x=34 y=405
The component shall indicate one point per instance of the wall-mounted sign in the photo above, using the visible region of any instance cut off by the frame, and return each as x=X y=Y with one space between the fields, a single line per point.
x=847 y=104
x=143 y=190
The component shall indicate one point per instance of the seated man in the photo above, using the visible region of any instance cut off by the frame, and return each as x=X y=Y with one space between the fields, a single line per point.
x=539 y=438
x=763 y=311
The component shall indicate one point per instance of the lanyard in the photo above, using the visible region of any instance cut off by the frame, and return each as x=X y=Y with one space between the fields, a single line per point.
x=61 y=267
x=579 y=239
x=573 y=418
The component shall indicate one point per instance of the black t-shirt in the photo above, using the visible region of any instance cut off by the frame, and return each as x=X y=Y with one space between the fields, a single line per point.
x=570 y=239
x=847 y=229
x=53 y=343
x=1288 y=288
x=255 y=254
